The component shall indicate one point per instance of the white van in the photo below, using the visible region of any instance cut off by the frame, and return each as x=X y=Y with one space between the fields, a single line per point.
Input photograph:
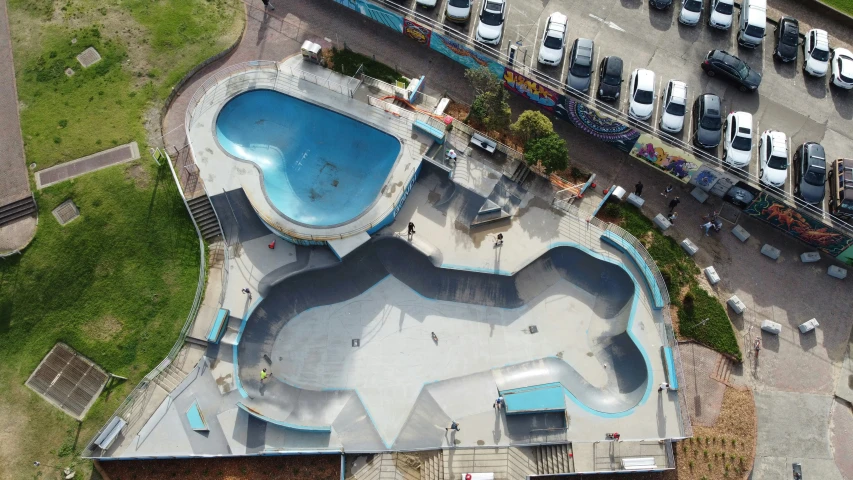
x=753 y=23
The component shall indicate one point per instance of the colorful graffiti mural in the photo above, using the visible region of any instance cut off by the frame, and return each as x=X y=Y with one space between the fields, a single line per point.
x=802 y=227
x=669 y=159
x=416 y=32
x=379 y=14
x=593 y=123
x=462 y=54
x=530 y=89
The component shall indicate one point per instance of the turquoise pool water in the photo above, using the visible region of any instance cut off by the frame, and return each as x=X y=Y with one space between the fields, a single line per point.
x=320 y=168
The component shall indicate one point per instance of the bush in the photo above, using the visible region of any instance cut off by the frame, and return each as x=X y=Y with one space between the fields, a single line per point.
x=705 y=320
x=612 y=210
x=550 y=152
x=490 y=106
x=532 y=124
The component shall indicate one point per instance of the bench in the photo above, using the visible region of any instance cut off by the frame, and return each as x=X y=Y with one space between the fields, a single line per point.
x=737 y=305
x=740 y=233
x=689 y=247
x=771 y=327
x=433 y=132
x=662 y=222
x=639 y=463
x=837 y=272
x=808 y=326
x=713 y=276
x=699 y=194
x=108 y=436
x=484 y=143
x=770 y=251
x=810 y=257
x=635 y=200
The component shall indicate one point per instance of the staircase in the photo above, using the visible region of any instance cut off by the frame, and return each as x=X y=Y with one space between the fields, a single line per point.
x=170 y=378
x=205 y=217
x=723 y=370
x=432 y=467
x=17 y=209
x=521 y=173
x=554 y=459
x=385 y=466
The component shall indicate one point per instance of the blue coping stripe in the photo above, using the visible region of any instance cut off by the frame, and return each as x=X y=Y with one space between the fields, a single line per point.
x=604 y=200
x=437 y=134
x=587 y=184
x=196 y=418
x=217 y=329
x=632 y=252
x=291 y=426
x=547 y=397
x=237 y=381
x=670 y=368
x=415 y=91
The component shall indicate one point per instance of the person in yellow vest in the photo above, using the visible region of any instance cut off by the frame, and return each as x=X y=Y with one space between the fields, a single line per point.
x=265 y=374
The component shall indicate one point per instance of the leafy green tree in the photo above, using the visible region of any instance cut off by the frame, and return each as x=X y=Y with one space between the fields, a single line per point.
x=490 y=106
x=532 y=124
x=483 y=80
x=549 y=151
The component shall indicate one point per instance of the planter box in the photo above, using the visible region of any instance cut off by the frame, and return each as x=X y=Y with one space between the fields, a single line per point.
x=689 y=247
x=770 y=251
x=736 y=304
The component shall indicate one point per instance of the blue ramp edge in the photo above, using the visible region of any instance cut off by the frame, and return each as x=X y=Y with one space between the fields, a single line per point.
x=301 y=428
x=196 y=418
x=433 y=132
x=632 y=252
x=218 y=327
x=547 y=397
x=671 y=376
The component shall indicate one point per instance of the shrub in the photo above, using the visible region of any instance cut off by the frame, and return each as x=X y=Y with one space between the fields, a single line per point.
x=612 y=210
x=549 y=151
x=532 y=124
x=704 y=319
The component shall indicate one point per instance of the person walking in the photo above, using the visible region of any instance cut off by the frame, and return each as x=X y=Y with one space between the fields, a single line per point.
x=672 y=216
x=663 y=387
x=247 y=292
x=453 y=426
x=500 y=240
x=499 y=403
x=264 y=375
x=411 y=230
x=674 y=203
x=668 y=189
x=638 y=189
x=267 y=4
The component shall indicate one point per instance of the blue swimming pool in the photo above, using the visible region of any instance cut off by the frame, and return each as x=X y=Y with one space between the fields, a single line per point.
x=320 y=168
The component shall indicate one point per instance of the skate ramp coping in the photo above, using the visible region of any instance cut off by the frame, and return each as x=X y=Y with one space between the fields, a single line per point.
x=544 y=398
x=637 y=258
x=292 y=426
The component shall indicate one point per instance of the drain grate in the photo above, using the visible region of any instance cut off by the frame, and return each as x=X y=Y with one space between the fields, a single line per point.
x=356 y=342
x=69 y=72
x=68 y=380
x=66 y=212
x=89 y=57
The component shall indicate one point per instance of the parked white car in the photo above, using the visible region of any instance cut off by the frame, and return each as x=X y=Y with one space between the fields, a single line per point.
x=691 y=11
x=816 y=50
x=642 y=91
x=491 y=25
x=674 y=106
x=458 y=10
x=553 y=46
x=425 y=3
x=842 y=68
x=773 y=158
x=737 y=148
x=722 y=12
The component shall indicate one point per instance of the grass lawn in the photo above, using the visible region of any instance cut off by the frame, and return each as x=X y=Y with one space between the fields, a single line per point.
x=702 y=317
x=117 y=283
x=347 y=62
x=845 y=6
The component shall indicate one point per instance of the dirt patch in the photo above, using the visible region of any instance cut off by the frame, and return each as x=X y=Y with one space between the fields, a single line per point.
x=297 y=467
x=140 y=175
x=10 y=435
x=103 y=329
x=730 y=442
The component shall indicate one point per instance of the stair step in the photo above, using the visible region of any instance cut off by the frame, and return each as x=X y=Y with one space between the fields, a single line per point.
x=19 y=212
x=198 y=200
x=17 y=203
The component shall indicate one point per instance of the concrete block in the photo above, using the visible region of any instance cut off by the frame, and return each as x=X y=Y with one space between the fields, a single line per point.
x=771 y=327
x=770 y=251
x=837 y=272
x=636 y=201
x=699 y=194
x=740 y=233
x=712 y=275
x=662 y=222
x=808 y=326
x=810 y=257
x=689 y=247
x=736 y=304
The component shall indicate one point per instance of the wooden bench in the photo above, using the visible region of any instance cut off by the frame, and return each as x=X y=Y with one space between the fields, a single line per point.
x=484 y=143
x=639 y=463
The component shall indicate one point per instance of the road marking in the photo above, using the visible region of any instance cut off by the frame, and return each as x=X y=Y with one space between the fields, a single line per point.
x=607 y=22
x=654 y=119
x=534 y=58
x=442 y=11
x=472 y=18
x=592 y=74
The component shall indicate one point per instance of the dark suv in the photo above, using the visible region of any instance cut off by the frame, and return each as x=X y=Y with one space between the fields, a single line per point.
x=610 y=78
x=810 y=173
x=660 y=4
x=728 y=66
x=707 y=120
x=787 y=39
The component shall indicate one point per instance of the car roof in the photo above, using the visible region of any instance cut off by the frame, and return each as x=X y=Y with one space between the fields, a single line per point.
x=814 y=150
x=711 y=102
x=821 y=38
x=789 y=22
x=779 y=142
x=558 y=18
x=613 y=66
x=585 y=46
x=486 y=4
x=645 y=79
x=679 y=89
x=743 y=118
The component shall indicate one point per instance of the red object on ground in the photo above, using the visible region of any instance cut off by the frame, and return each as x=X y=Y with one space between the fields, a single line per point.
x=580 y=195
x=272 y=245
x=467 y=476
x=605 y=191
x=592 y=185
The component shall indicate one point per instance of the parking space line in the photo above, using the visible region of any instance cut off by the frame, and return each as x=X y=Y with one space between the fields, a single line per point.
x=535 y=42
x=472 y=17
x=658 y=98
x=627 y=88
x=442 y=11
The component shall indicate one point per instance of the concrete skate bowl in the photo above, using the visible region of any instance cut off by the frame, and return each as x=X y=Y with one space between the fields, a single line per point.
x=613 y=297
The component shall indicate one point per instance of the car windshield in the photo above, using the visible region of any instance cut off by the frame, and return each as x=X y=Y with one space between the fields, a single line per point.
x=754 y=31
x=789 y=37
x=693 y=5
x=491 y=17
x=459 y=3
x=580 y=70
x=676 y=109
x=815 y=176
x=820 y=55
x=779 y=163
x=553 y=42
x=724 y=8
x=742 y=143
x=742 y=69
x=643 y=96
x=710 y=121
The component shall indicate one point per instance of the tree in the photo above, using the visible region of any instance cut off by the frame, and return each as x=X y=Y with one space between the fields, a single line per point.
x=549 y=151
x=532 y=124
x=483 y=80
x=490 y=106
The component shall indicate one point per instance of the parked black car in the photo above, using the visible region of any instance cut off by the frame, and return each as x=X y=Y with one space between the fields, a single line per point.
x=787 y=39
x=610 y=78
x=581 y=59
x=728 y=66
x=810 y=173
x=741 y=194
x=660 y=4
x=707 y=120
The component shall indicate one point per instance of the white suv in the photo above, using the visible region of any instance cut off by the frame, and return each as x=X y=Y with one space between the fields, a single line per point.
x=674 y=106
x=737 y=149
x=816 y=50
x=773 y=158
x=554 y=39
x=842 y=68
x=491 y=25
x=642 y=91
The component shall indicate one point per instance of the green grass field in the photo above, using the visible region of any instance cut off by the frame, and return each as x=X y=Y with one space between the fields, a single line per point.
x=845 y=6
x=117 y=283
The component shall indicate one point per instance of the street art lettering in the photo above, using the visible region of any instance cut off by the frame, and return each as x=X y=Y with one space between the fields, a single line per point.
x=590 y=121
x=461 y=54
x=525 y=87
x=673 y=160
x=419 y=33
x=797 y=225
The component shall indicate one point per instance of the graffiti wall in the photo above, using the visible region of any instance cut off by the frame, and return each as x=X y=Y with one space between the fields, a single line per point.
x=416 y=32
x=666 y=157
x=353 y=4
x=462 y=54
x=593 y=123
x=379 y=14
x=530 y=89
x=797 y=225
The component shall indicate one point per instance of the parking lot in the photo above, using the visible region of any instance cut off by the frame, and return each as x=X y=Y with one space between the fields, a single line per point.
x=805 y=108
